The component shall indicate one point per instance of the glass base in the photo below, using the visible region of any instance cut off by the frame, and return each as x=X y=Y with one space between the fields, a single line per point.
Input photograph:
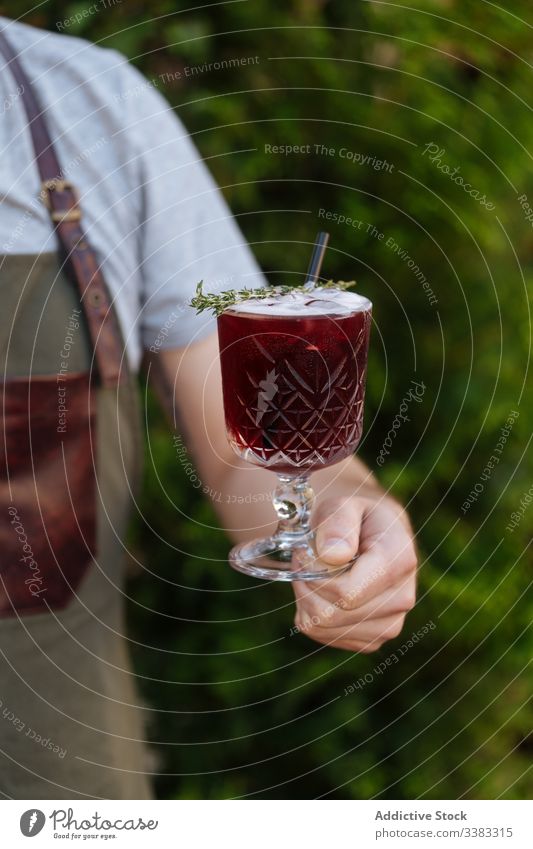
x=278 y=558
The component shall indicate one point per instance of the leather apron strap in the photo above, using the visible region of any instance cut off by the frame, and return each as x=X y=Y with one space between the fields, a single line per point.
x=60 y=197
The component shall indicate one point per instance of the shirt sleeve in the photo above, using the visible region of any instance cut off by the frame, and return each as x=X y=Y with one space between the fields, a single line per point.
x=187 y=230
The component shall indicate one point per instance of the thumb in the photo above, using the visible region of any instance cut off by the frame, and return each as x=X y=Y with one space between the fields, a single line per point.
x=338 y=525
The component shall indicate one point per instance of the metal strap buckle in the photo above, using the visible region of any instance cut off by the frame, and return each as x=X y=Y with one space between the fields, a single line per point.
x=59 y=215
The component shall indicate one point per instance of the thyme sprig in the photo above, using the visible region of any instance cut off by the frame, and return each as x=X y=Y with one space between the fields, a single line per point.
x=203 y=301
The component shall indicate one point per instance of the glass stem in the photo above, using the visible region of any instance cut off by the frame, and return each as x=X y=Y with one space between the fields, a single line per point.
x=292 y=500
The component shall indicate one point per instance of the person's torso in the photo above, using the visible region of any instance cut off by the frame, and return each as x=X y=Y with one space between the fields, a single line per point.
x=79 y=88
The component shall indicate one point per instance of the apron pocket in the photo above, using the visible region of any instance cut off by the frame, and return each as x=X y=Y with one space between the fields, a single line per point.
x=47 y=491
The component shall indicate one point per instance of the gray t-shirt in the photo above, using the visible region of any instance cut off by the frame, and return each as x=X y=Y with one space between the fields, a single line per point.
x=152 y=211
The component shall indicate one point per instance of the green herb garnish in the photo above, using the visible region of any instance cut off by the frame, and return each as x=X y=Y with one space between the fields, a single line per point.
x=218 y=303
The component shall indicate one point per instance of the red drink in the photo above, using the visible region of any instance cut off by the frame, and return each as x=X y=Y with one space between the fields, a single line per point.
x=293 y=374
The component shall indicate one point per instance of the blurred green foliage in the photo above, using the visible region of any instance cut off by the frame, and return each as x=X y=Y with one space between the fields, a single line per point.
x=240 y=707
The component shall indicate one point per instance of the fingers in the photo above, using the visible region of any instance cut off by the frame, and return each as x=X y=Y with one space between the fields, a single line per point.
x=363 y=638
x=397 y=600
x=322 y=613
x=368 y=577
x=338 y=523
x=377 y=569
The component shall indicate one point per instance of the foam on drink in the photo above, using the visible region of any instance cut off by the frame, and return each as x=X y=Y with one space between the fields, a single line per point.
x=306 y=303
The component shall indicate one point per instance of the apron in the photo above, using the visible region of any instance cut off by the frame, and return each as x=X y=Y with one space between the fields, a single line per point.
x=71 y=725
x=70 y=721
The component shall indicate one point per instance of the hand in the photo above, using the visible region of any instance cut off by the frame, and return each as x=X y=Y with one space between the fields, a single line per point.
x=367 y=605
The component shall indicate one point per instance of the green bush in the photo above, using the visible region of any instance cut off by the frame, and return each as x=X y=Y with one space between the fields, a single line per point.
x=240 y=707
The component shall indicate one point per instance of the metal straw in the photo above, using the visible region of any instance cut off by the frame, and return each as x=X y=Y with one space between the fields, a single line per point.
x=319 y=249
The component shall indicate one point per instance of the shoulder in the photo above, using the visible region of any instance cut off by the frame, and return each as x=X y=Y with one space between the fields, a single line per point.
x=51 y=54
x=91 y=88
